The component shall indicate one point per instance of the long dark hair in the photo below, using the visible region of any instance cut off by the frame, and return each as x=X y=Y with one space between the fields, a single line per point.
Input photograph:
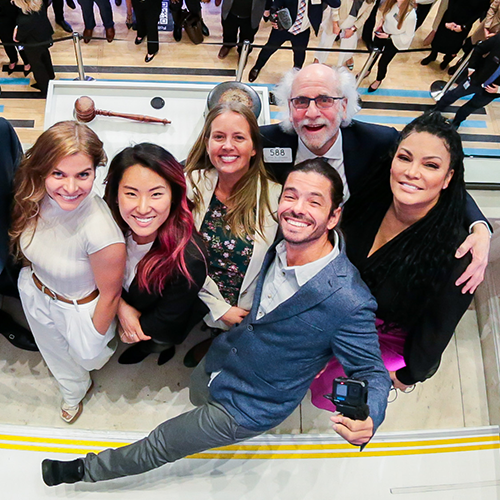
x=166 y=259
x=424 y=257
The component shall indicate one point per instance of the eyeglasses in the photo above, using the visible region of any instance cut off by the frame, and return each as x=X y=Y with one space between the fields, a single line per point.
x=321 y=101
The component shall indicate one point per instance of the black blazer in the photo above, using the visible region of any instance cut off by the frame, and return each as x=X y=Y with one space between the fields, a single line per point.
x=433 y=326
x=169 y=317
x=34 y=27
x=364 y=145
x=485 y=60
x=10 y=155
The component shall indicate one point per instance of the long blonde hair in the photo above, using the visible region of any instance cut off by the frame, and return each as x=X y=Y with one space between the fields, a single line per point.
x=58 y=142
x=404 y=9
x=241 y=216
x=28 y=6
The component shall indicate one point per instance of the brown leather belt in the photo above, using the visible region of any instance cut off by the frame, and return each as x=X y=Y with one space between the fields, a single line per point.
x=55 y=296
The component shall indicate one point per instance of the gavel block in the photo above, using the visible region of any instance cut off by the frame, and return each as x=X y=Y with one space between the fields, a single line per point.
x=85 y=112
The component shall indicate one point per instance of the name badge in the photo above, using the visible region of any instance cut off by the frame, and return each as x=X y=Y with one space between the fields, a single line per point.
x=316 y=2
x=278 y=155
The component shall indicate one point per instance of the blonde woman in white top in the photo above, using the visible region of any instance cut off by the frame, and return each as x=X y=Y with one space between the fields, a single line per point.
x=347 y=22
x=395 y=32
x=71 y=287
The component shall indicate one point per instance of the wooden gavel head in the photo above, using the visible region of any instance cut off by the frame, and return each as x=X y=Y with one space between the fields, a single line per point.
x=85 y=109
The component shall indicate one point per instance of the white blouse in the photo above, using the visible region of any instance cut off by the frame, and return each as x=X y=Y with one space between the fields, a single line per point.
x=401 y=38
x=62 y=242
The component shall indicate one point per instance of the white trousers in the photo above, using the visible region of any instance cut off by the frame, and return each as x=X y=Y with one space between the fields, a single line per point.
x=66 y=337
x=328 y=37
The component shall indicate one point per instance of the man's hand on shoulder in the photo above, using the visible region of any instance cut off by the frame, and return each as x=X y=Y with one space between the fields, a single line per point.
x=356 y=432
x=478 y=243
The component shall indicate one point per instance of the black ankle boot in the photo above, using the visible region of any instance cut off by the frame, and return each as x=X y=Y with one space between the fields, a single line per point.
x=166 y=355
x=134 y=354
x=55 y=472
x=17 y=335
x=427 y=60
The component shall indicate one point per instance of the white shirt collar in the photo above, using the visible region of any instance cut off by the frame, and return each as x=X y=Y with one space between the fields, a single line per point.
x=334 y=153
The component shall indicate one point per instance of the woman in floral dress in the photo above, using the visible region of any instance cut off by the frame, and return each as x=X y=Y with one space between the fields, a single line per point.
x=234 y=202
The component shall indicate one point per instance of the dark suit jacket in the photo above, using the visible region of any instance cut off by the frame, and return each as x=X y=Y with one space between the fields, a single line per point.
x=485 y=60
x=10 y=155
x=258 y=7
x=34 y=27
x=363 y=144
x=267 y=365
x=169 y=317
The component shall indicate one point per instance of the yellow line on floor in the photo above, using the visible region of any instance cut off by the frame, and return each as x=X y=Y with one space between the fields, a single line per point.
x=352 y=454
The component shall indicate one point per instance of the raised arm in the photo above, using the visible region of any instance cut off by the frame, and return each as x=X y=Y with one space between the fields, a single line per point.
x=356 y=346
x=478 y=244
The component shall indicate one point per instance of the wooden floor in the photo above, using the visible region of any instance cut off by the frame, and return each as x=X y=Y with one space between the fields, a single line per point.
x=403 y=95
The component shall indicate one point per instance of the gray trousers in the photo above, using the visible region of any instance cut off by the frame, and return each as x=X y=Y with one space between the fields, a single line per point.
x=207 y=426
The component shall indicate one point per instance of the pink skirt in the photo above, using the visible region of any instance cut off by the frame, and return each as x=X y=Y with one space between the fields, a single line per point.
x=391 y=347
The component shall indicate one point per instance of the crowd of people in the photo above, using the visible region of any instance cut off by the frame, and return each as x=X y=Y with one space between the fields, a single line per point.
x=388 y=25
x=247 y=238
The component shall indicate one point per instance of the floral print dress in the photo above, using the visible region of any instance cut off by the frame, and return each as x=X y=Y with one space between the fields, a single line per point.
x=229 y=255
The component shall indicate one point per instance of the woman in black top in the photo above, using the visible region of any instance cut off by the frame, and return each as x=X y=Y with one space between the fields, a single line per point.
x=402 y=235
x=454 y=28
x=8 y=20
x=34 y=31
x=166 y=261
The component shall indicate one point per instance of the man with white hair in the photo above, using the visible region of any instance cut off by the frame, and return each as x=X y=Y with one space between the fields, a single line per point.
x=318 y=104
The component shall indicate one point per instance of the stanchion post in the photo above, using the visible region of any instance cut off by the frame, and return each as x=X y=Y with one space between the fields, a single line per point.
x=79 y=58
x=245 y=50
x=440 y=87
x=369 y=63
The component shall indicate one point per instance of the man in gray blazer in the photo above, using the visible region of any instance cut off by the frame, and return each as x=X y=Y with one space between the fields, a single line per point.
x=309 y=305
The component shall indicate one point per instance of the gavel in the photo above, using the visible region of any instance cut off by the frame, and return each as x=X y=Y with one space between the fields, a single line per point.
x=85 y=112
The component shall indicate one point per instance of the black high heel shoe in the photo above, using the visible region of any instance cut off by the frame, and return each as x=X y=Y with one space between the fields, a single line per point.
x=11 y=70
x=27 y=71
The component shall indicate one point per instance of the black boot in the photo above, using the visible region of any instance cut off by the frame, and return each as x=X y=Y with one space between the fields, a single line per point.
x=55 y=472
x=141 y=350
x=17 y=335
x=166 y=355
x=426 y=60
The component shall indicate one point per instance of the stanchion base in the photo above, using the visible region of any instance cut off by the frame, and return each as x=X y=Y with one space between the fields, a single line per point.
x=436 y=89
x=87 y=79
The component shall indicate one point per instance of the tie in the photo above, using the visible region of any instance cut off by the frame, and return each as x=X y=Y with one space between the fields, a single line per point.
x=295 y=29
x=493 y=77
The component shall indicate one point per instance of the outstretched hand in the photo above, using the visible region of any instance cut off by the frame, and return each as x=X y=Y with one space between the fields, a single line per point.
x=478 y=244
x=356 y=432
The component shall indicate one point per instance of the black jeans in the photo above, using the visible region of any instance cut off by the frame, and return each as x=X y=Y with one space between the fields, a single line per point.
x=277 y=38
x=230 y=27
x=481 y=98
x=41 y=65
x=387 y=55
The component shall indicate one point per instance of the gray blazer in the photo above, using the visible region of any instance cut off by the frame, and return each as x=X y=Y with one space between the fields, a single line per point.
x=258 y=7
x=266 y=366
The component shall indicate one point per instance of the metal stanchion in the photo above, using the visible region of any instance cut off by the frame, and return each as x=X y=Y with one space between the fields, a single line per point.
x=440 y=87
x=370 y=62
x=79 y=59
x=245 y=50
